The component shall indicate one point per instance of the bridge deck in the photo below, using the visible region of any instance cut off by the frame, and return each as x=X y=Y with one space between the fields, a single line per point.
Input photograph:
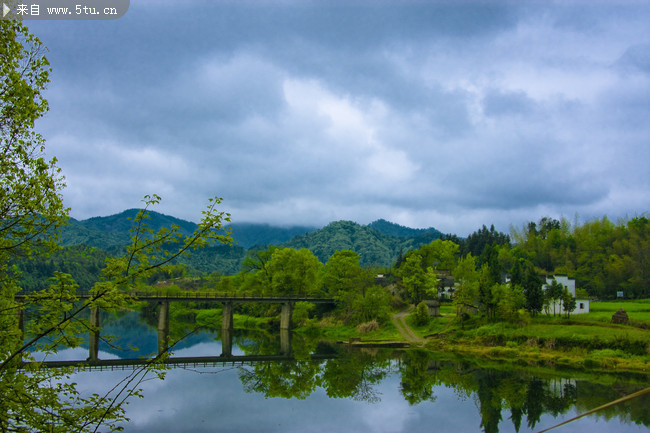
x=215 y=297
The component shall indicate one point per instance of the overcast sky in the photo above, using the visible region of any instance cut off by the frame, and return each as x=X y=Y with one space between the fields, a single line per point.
x=424 y=113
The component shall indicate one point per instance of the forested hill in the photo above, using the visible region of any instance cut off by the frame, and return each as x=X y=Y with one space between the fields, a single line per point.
x=112 y=231
x=375 y=247
x=399 y=231
x=87 y=243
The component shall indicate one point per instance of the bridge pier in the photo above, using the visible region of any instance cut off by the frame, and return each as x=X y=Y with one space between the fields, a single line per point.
x=93 y=341
x=226 y=342
x=285 y=316
x=163 y=327
x=226 y=323
x=226 y=329
x=285 y=342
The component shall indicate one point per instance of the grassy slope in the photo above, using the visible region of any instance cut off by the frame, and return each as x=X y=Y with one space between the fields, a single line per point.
x=588 y=340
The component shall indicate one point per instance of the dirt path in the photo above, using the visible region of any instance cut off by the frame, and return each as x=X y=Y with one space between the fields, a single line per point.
x=399 y=320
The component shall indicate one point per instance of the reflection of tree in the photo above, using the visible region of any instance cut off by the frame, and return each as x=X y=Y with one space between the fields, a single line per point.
x=534 y=402
x=556 y=403
x=590 y=395
x=356 y=375
x=297 y=378
x=417 y=378
x=490 y=401
x=258 y=342
x=636 y=410
x=284 y=379
x=513 y=391
x=496 y=390
x=353 y=375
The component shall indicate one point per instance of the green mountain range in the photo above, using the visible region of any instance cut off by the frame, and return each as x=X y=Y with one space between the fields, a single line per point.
x=88 y=242
x=113 y=231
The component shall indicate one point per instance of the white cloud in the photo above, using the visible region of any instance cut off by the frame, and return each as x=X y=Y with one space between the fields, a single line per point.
x=433 y=115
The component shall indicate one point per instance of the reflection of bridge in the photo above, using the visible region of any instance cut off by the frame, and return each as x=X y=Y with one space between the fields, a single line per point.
x=180 y=362
x=227 y=300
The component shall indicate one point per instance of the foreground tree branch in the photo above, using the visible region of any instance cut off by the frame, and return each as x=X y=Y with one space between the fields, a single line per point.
x=33 y=398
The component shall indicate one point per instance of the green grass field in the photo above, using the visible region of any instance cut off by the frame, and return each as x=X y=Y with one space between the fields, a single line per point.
x=592 y=331
x=636 y=310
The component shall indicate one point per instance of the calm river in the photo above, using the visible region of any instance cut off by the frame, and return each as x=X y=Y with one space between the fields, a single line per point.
x=363 y=390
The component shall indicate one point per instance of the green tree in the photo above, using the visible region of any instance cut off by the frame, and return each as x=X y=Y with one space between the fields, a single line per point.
x=467 y=282
x=517 y=273
x=568 y=302
x=554 y=294
x=439 y=254
x=422 y=314
x=414 y=277
x=51 y=402
x=485 y=284
x=31 y=212
x=639 y=253
x=346 y=281
x=593 y=248
x=373 y=305
x=31 y=206
x=507 y=299
x=477 y=241
x=293 y=271
x=343 y=274
x=533 y=290
x=256 y=260
x=431 y=284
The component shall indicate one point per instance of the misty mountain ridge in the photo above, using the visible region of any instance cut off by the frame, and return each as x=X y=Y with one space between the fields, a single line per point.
x=88 y=242
x=113 y=231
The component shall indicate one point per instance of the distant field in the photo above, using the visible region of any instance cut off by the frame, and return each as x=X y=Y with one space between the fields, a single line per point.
x=636 y=310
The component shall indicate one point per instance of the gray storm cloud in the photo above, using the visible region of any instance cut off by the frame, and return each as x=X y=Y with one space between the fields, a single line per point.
x=426 y=114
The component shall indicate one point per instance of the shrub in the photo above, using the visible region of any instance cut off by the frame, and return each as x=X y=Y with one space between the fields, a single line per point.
x=522 y=318
x=532 y=342
x=397 y=303
x=421 y=314
x=550 y=343
x=506 y=352
x=366 y=327
x=608 y=353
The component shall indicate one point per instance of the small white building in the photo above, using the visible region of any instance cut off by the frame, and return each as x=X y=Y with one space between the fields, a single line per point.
x=582 y=305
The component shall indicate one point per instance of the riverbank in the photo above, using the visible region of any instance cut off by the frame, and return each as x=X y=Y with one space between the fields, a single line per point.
x=588 y=341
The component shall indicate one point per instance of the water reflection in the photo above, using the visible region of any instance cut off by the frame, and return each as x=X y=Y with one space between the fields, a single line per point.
x=507 y=400
x=363 y=390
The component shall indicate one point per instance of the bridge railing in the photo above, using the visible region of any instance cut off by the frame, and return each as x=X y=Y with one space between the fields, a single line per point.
x=207 y=296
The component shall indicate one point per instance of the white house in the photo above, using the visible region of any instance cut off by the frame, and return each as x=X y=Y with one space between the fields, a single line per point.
x=582 y=305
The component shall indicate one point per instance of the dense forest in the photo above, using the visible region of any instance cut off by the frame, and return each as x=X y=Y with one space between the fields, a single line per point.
x=109 y=236
x=603 y=257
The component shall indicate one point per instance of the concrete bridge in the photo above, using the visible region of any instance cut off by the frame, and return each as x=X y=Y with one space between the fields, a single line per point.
x=227 y=300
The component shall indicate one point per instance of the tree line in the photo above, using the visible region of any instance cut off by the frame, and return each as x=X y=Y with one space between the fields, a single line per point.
x=497 y=275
